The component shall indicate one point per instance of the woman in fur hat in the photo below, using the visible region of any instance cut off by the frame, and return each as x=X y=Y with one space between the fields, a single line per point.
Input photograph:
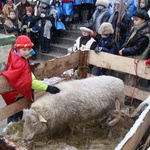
x=20 y=77
x=106 y=44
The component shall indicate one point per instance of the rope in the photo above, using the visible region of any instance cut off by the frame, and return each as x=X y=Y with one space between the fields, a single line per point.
x=136 y=61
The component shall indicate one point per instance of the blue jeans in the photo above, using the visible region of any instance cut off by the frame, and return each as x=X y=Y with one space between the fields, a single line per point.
x=97 y=71
x=16 y=117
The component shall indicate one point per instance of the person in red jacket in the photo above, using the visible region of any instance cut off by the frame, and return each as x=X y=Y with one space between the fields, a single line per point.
x=20 y=77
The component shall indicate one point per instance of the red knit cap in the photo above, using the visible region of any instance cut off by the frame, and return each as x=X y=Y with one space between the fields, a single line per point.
x=29 y=9
x=23 y=41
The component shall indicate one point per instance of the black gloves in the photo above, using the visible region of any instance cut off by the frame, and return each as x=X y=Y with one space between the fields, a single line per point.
x=98 y=49
x=52 y=89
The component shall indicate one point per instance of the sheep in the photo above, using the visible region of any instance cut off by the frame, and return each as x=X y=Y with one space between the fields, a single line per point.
x=79 y=101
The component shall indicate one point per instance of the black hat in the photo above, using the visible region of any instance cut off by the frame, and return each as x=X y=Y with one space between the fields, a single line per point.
x=141 y=13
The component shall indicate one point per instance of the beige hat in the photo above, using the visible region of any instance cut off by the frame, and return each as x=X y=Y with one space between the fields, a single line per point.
x=102 y=2
x=87 y=30
x=106 y=28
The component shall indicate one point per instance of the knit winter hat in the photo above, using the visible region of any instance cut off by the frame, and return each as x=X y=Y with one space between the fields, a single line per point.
x=104 y=3
x=106 y=28
x=87 y=30
x=46 y=2
x=29 y=9
x=23 y=41
x=141 y=13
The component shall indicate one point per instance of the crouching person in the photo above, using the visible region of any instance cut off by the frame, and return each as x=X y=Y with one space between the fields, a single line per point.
x=20 y=77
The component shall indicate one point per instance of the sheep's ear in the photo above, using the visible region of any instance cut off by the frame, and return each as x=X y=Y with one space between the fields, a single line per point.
x=117 y=105
x=41 y=118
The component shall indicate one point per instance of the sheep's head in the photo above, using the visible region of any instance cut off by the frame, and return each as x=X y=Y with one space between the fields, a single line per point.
x=117 y=118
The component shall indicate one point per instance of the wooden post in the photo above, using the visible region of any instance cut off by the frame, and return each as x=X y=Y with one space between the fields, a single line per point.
x=82 y=69
x=118 y=20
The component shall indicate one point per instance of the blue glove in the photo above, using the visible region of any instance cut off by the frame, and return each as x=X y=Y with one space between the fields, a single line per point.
x=98 y=49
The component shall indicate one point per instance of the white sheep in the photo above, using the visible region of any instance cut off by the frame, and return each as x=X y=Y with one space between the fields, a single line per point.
x=79 y=101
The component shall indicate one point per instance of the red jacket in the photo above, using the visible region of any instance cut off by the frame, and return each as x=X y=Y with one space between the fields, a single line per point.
x=18 y=74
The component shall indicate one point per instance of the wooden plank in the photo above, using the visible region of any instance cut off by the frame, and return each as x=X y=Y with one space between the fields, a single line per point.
x=14 y=108
x=57 y=66
x=138 y=93
x=4 y=85
x=119 y=63
x=21 y=104
x=132 y=143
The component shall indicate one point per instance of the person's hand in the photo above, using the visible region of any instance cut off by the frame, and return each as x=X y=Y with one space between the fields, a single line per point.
x=24 y=26
x=28 y=30
x=52 y=89
x=98 y=49
x=120 y=52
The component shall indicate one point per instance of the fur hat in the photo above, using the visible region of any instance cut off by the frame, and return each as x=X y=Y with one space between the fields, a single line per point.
x=106 y=28
x=104 y=3
x=141 y=13
x=23 y=41
x=29 y=9
x=87 y=30
x=46 y=2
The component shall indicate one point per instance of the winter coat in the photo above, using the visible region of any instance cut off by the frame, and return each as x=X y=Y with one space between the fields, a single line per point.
x=88 y=2
x=138 y=42
x=67 y=8
x=12 y=26
x=98 y=18
x=59 y=25
x=108 y=45
x=20 y=77
x=88 y=41
x=77 y=2
x=30 y=22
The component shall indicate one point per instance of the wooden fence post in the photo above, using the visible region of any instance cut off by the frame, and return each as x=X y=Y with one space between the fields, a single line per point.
x=83 y=68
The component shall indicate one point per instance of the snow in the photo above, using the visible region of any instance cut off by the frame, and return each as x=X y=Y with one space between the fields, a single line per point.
x=134 y=127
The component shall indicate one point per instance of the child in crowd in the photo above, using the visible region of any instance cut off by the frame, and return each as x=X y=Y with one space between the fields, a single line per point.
x=12 y=24
x=106 y=44
x=46 y=18
x=68 y=11
x=59 y=25
x=9 y=5
x=30 y=26
x=138 y=41
x=20 y=77
x=100 y=15
x=86 y=41
x=143 y=4
x=22 y=8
